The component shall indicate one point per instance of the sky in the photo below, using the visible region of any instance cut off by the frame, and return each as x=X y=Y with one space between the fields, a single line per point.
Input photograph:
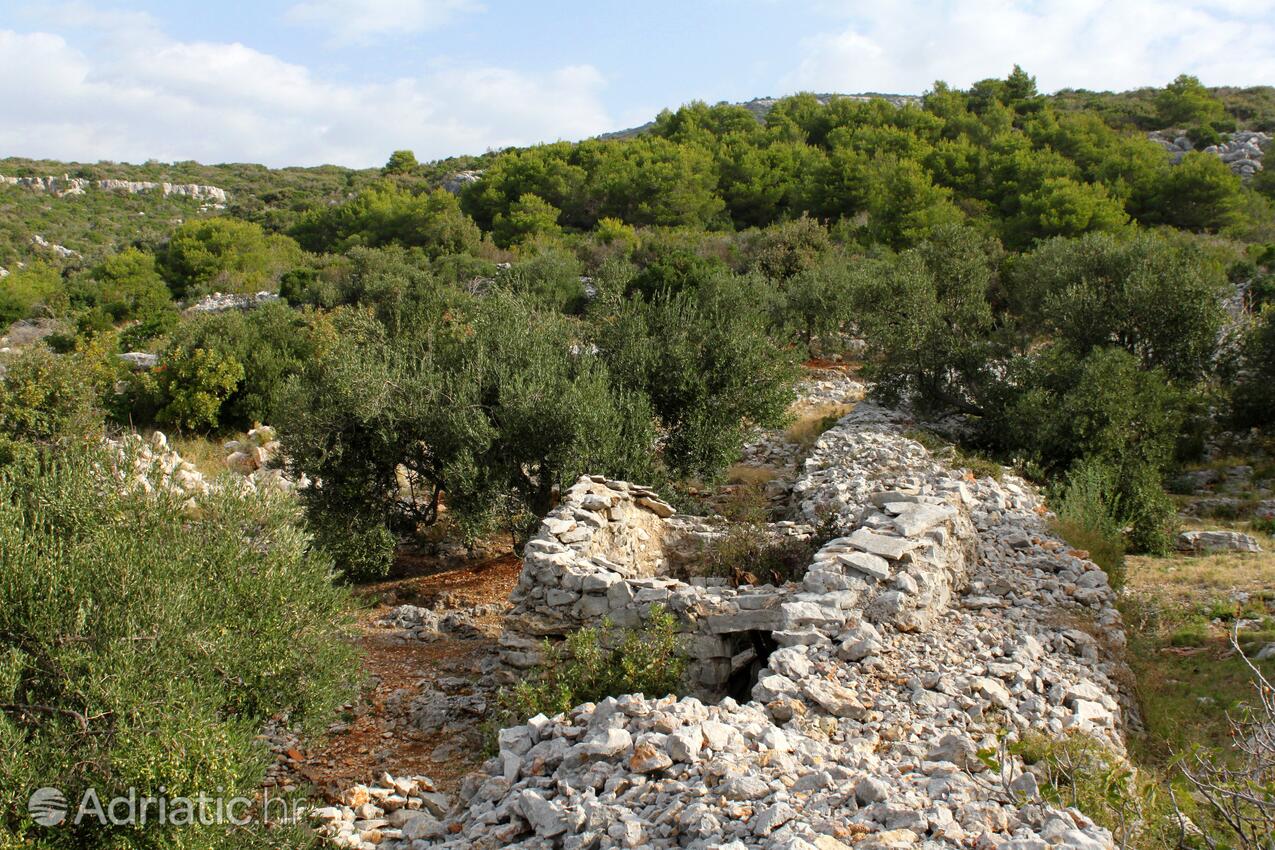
x=346 y=82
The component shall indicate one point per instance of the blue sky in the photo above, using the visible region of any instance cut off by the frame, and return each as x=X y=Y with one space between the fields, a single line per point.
x=305 y=82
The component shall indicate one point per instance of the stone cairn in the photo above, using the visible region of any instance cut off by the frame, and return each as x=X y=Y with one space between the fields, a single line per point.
x=942 y=620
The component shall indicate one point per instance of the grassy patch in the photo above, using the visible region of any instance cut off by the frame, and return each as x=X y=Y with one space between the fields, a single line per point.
x=751 y=476
x=205 y=453
x=811 y=421
x=1179 y=611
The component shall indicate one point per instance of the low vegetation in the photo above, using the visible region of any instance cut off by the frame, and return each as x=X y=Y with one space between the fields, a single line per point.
x=99 y=590
x=1081 y=772
x=597 y=662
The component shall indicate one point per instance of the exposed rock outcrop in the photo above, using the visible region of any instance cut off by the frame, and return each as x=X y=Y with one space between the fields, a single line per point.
x=61 y=250
x=219 y=302
x=1242 y=151
x=456 y=183
x=66 y=185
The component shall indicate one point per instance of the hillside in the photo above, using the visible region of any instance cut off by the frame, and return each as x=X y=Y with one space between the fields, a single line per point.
x=828 y=472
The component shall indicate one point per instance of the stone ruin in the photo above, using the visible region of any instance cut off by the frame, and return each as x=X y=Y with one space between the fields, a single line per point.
x=613 y=550
x=847 y=709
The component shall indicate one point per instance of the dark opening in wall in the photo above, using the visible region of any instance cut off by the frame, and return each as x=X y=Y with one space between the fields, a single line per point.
x=749 y=660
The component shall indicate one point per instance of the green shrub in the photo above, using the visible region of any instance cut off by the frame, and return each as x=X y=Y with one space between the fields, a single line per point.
x=385 y=213
x=126 y=286
x=225 y=255
x=529 y=218
x=1086 y=520
x=271 y=343
x=144 y=645
x=1203 y=136
x=360 y=544
x=26 y=291
x=1078 y=771
x=1152 y=294
x=928 y=317
x=706 y=363
x=1150 y=517
x=494 y=403
x=1252 y=402
x=190 y=386
x=1103 y=502
x=549 y=279
x=597 y=662
x=51 y=402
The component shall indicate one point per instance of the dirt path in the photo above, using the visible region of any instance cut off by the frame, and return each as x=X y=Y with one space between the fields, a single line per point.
x=386 y=729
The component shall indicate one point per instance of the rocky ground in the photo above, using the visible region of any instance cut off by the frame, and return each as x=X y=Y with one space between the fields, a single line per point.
x=429 y=644
x=942 y=619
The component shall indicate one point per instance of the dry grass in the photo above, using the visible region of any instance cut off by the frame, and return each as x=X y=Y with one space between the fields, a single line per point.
x=752 y=476
x=1179 y=611
x=812 y=420
x=1187 y=579
x=206 y=453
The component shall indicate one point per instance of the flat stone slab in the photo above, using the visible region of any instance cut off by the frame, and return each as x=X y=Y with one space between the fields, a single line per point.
x=884 y=545
x=865 y=562
x=913 y=520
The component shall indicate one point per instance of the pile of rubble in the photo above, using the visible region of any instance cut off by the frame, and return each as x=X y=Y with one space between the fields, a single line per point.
x=397 y=810
x=1241 y=151
x=149 y=465
x=941 y=621
x=412 y=622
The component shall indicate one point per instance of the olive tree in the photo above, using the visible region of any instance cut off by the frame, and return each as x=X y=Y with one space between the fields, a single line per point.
x=479 y=413
x=1154 y=296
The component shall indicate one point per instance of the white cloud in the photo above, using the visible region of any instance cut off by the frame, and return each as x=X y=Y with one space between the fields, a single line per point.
x=366 y=21
x=904 y=47
x=138 y=94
